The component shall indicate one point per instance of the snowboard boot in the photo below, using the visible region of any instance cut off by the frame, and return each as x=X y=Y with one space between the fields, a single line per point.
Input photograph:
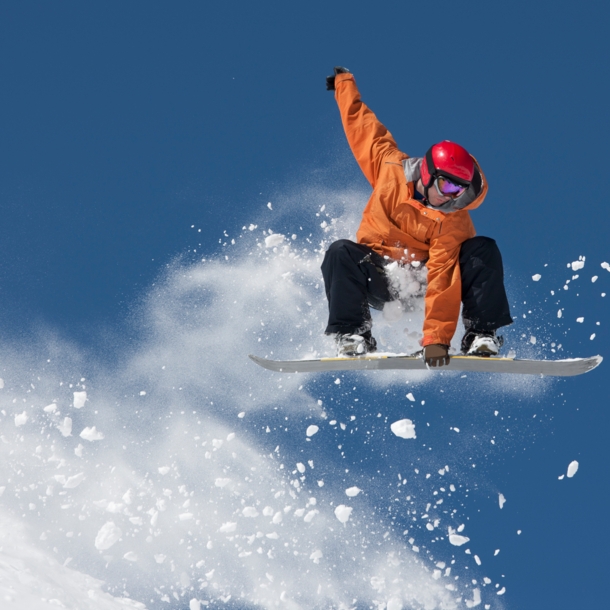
x=355 y=345
x=481 y=343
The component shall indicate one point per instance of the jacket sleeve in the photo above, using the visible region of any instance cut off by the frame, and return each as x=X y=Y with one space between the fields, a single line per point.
x=444 y=292
x=369 y=140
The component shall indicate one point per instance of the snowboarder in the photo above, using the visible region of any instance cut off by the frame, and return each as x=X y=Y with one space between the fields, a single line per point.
x=418 y=212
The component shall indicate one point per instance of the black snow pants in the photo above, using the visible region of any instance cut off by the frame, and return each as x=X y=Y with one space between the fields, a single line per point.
x=355 y=279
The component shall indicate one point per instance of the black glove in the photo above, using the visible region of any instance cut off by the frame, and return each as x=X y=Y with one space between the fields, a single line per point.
x=436 y=355
x=330 y=80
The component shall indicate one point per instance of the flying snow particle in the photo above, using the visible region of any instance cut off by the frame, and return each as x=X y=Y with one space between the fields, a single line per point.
x=606 y=266
x=533 y=340
x=501 y=500
x=576 y=265
x=343 y=513
x=275 y=239
x=559 y=313
x=411 y=397
x=194 y=604
x=222 y=482
x=249 y=511
x=79 y=399
x=269 y=205
x=130 y=556
x=228 y=527
x=109 y=534
x=66 y=427
x=592 y=337
x=311 y=430
x=185 y=516
x=594 y=279
x=316 y=556
x=74 y=481
x=50 y=408
x=476 y=598
x=21 y=419
x=580 y=320
x=163 y=470
x=352 y=492
x=457 y=540
x=572 y=469
x=91 y=434
x=404 y=428
x=536 y=277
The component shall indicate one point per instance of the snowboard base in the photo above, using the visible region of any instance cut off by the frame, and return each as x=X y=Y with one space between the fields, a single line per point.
x=560 y=368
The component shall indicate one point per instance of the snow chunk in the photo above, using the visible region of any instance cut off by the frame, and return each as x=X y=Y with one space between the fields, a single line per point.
x=275 y=239
x=91 y=434
x=220 y=482
x=411 y=397
x=316 y=556
x=194 y=604
x=79 y=399
x=476 y=599
x=185 y=516
x=130 y=556
x=163 y=469
x=21 y=419
x=606 y=266
x=228 y=527
x=536 y=277
x=501 y=500
x=108 y=535
x=50 y=408
x=457 y=540
x=352 y=491
x=343 y=513
x=404 y=428
x=74 y=481
x=580 y=320
x=559 y=313
x=66 y=427
x=249 y=511
x=576 y=265
x=311 y=430
x=572 y=469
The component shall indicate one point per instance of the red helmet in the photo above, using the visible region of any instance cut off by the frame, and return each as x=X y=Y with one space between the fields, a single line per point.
x=447 y=159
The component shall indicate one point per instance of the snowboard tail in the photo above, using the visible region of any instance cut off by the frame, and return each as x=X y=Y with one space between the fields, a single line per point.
x=476 y=364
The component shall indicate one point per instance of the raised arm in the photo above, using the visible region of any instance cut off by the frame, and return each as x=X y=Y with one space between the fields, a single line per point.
x=369 y=140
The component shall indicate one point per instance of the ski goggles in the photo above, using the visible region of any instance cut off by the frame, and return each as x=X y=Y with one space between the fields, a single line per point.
x=447 y=188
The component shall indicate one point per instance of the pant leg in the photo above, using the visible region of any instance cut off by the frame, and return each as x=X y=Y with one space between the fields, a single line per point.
x=354 y=278
x=485 y=305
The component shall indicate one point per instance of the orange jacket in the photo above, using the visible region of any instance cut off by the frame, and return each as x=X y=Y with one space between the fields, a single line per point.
x=396 y=225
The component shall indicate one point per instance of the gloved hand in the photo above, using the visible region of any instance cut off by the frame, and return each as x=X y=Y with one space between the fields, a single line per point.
x=330 y=80
x=436 y=355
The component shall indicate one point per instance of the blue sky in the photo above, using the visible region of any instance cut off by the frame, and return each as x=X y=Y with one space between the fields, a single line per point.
x=125 y=124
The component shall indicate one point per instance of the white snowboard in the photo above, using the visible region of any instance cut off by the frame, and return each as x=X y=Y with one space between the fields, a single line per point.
x=562 y=368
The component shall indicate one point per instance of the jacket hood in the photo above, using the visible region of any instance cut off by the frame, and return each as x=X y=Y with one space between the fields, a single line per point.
x=470 y=199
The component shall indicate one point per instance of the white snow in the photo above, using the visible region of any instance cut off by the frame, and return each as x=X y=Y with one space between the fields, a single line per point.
x=91 y=434
x=572 y=468
x=311 y=430
x=65 y=427
x=411 y=397
x=576 y=265
x=74 y=481
x=404 y=428
x=501 y=500
x=343 y=513
x=536 y=277
x=580 y=320
x=352 y=491
x=273 y=240
x=108 y=535
x=79 y=399
x=456 y=539
x=21 y=419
